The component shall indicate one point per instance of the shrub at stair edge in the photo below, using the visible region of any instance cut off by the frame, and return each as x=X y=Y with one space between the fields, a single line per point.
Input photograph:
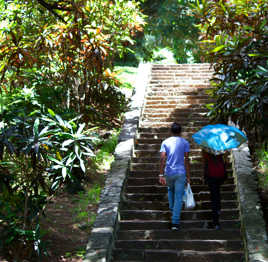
x=234 y=37
x=38 y=153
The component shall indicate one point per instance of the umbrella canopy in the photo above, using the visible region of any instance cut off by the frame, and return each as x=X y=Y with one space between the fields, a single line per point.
x=218 y=138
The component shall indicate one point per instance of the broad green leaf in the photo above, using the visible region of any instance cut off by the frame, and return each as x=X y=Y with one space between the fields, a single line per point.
x=81 y=127
x=71 y=158
x=218 y=48
x=54 y=160
x=64 y=172
x=76 y=150
x=67 y=142
x=2 y=66
x=262 y=68
x=252 y=55
x=88 y=150
x=82 y=165
x=51 y=112
x=208 y=41
x=44 y=131
x=56 y=166
x=36 y=126
x=61 y=122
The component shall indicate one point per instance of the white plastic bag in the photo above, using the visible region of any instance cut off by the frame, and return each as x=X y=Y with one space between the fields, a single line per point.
x=188 y=197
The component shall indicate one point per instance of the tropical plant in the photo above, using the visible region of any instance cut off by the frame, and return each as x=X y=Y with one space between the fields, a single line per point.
x=234 y=38
x=38 y=154
x=57 y=55
x=262 y=170
x=66 y=49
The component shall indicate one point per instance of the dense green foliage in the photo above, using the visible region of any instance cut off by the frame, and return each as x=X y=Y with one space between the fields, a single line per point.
x=38 y=154
x=263 y=169
x=170 y=26
x=65 y=50
x=234 y=38
x=57 y=85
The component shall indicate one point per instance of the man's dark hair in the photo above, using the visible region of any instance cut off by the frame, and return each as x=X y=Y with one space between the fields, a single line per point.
x=176 y=128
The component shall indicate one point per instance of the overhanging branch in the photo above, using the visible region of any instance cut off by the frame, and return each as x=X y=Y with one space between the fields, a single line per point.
x=52 y=8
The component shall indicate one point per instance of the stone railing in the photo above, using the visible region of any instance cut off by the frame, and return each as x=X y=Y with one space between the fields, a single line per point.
x=101 y=239
x=252 y=221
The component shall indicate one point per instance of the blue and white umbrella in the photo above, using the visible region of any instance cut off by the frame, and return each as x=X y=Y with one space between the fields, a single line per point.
x=218 y=138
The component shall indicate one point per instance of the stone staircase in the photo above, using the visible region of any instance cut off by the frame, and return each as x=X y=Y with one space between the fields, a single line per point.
x=175 y=93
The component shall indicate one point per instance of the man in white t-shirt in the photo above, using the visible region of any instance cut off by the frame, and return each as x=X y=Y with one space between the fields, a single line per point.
x=175 y=170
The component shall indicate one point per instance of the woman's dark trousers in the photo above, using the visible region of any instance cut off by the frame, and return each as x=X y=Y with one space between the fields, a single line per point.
x=215 y=197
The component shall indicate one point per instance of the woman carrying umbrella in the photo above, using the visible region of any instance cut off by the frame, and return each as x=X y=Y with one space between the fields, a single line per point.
x=215 y=140
x=214 y=176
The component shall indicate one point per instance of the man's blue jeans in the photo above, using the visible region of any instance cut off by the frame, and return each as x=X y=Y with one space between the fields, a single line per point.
x=176 y=185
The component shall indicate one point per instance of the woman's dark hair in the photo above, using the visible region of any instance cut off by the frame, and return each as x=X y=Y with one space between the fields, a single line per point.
x=176 y=128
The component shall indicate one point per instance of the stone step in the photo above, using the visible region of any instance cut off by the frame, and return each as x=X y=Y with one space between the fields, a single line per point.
x=150 y=144
x=157 y=215
x=182 y=101
x=152 y=112
x=195 y=244
x=187 y=72
x=182 y=91
x=195 y=169
x=153 y=205
x=165 y=131
x=186 y=111
x=185 y=67
x=146 y=147
x=178 y=78
x=169 y=120
x=162 y=136
x=173 y=107
x=150 y=138
x=179 y=66
x=193 y=159
x=195 y=173
x=157 y=188
x=182 y=71
x=160 y=124
x=175 y=97
x=155 y=166
x=154 y=153
x=195 y=82
x=201 y=196
x=177 y=256
x=201 y=87
x=186 y=225
x=189 y=230
x=132 y=180
x=181 y=116
x=149 y=163
x=184 y=121
x=148 y=181
x=156 y=139
x=182 y=75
